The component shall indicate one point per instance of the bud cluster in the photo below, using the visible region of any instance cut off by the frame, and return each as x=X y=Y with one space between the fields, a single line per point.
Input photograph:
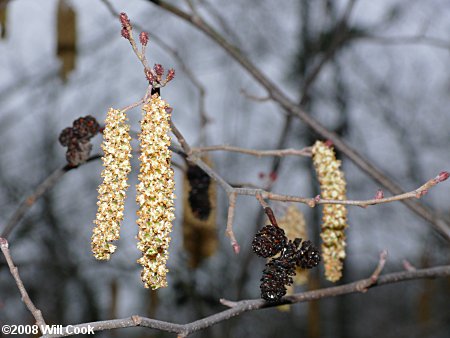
x=126 y=26
x=155 y=76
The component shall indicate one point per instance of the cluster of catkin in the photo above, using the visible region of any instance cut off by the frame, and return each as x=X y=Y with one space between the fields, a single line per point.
x=334 y=220
x=154 y=191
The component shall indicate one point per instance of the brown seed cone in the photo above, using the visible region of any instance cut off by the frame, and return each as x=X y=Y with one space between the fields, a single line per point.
x=334 y=219
x=200 y=235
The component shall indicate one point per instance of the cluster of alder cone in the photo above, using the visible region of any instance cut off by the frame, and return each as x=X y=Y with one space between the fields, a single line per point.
x=77 y=139
x=271 y=241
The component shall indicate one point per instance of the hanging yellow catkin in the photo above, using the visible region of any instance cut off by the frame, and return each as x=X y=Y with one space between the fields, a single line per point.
x=294 y=226
x=155 y=193
x=112 y=191
x=3 y=18
x=66 y=42
x=334 y=219
x=199 y=214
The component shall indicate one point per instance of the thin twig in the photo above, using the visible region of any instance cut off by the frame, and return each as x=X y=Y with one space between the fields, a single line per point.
x=365 y=284
x=280 y=152
x=184 y=145
x=253 y=97
x=230 y=220
x=440 y=224
x=398 y=40
x=242 y=306
x=339 y=37
x=37 y=314
x=261 y=200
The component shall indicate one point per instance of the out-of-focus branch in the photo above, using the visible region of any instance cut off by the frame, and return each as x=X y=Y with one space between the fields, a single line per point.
x=31 y=199
x=291 y=107
x=406 y=40
x=4 y=247
x=239 y=307
x=232 y=192
x=280 y=152
x=339 y=37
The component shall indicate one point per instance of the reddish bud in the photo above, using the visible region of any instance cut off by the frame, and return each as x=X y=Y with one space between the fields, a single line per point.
x=442 y=176
x=379 y=194
x=328 y=143
x=408 y=266
x=317 y=198
x=159 y=69
x=273 y=176
x=123 y=17
x=125 y=33
x=149 y=75
x=169 y=110
x=3 y=242
x=261 y=175
x=236 y=248
x=143 y=38
x=421 y=193
x=170 y=75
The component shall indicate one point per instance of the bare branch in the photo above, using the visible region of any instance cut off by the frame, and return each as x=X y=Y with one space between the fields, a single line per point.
x=239 y=307
x=365 y=284
x=229 y=231
x=291 y=107
x=407 y=40
x=23 y=292
x=280 y=152
x=254 y=97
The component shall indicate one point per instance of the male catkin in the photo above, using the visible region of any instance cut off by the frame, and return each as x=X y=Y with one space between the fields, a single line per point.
x=334 y=219
x=155 y=193
x=112 y=191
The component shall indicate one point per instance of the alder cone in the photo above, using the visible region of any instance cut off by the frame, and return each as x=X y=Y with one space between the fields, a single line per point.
x=269 y=241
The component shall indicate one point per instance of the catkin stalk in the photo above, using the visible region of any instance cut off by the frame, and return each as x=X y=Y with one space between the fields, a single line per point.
x=155 y=193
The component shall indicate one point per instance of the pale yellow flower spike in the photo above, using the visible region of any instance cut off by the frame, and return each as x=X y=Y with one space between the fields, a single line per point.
x=294 y=226
x=334 y=220
x=112 y=192
x=155 y=193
